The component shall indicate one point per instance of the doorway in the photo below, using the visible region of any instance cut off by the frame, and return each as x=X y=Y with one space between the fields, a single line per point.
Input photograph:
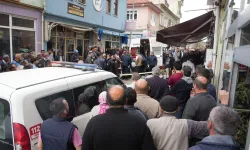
x=69 y=49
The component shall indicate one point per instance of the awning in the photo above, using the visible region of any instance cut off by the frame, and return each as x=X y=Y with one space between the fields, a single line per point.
x=191 y=31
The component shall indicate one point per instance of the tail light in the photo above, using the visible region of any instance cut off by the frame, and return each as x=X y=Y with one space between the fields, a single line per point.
x=21 y=136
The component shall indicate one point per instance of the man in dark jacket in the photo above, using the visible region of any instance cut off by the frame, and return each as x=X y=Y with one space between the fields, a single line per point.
x=126 y=62
x=111 y=67
x=117 y=129
x=222 y=125
x=4 y=63
x=181 y=90
x=158 y=86
x=152 y=61
x=89 y=59
x=75 y=56
x=130 y=96
x=57 y=132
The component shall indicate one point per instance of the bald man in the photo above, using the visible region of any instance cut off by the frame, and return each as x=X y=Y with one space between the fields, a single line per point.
x=117 y=129
x=199 y=106
x=18 y=59
x=145 y=103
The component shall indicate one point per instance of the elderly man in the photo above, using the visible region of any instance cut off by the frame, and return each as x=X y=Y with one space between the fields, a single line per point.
x=152 y=60
x=4 y=63
x=158 y=86
x=199 y=106
x=18 y=59
x=57 y=132
x=117 y=129
x=222 y=126
x=145 y=103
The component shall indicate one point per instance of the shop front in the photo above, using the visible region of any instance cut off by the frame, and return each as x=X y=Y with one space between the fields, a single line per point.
x=20 y=29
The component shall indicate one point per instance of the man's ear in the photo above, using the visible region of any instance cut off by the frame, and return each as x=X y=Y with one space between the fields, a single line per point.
x=210 y=125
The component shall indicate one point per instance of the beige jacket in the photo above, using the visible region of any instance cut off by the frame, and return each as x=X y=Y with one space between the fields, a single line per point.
x=138 y=60
x=148 y=105
x=169 y=133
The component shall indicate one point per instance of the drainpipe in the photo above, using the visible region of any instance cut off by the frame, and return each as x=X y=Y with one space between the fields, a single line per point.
x=44 y=8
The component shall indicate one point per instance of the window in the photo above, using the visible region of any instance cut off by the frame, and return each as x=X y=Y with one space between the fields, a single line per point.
x=113 y=81
x=132 y=15
x=108 y=9
x=116 y=8
x=4 y=41
x=4 y=21
x=245 y=36
x=42 y=104
x=6 y=138
x=22 y=22
x=162 y=20
x=170 y=23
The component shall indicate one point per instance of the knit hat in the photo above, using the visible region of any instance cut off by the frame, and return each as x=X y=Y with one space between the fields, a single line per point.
x=156 y=71
x=169 y=104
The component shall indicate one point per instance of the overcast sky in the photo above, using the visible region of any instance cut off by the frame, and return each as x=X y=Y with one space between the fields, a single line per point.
x=197 y=4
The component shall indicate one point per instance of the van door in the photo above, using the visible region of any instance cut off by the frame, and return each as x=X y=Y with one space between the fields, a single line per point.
x=30 y=105
x=86 y=89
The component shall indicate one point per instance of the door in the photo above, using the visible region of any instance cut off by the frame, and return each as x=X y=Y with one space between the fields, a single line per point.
x=107 y=45
x=69 y=49
x=79 y=47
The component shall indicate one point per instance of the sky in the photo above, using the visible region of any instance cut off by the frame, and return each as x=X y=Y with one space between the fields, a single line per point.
x=197 y=4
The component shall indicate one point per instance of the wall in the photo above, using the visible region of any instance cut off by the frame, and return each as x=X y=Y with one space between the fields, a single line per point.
x=157 y=20
x=92 y=18
x=142 y=14
x=174 y=7
x=37 y=3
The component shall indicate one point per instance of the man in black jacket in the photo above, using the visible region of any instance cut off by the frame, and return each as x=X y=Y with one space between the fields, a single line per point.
x=117 y=129
x=181 y=90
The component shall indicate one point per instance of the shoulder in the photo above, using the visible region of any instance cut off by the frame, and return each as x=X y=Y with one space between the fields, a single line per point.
x=152 y=122
x=195 y=148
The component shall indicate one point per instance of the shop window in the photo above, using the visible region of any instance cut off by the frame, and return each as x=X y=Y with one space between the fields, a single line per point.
x=116 y=8
x=245 y=36
x=4 y=41
x=23 y=41
x=82 y=1
x=4 y=21
x=108 y=7
x=22 y=22
x=87 y=35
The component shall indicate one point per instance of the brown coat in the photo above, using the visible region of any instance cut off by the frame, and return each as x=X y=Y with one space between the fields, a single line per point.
x=138 y=60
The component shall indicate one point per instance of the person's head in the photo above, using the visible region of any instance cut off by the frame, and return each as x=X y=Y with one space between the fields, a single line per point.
x=59 y=107
x=169 y=105
x=124 y=52
x=223 y=121
x=102 y=99
x=170 y=54
x=187 y=71
x=203 y=72
x=6 y=58
x=116 y=96
x=177 y=66
x=90 y=54
x=50 y=51
x=141 y=86
x=156 y=71
x=12 y=67
x=89 y=47
x=200 y=84
x=152 y=53
x=28 y=66
x=112 y=57
x=18 y=57
x=136 y=76
x=43 y=53
x=130 y=96
x=24 y=63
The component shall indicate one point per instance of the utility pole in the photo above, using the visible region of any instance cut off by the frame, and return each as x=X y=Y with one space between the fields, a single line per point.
x=133 y=10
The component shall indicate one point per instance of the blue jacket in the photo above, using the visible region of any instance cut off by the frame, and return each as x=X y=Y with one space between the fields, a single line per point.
x=126 y=60
x=212 y=90
x=137 y=112
x=56 y=133
x=216 y=142
x=152 y=60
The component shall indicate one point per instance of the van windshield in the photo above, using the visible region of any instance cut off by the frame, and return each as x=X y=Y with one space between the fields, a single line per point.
x=6 y=138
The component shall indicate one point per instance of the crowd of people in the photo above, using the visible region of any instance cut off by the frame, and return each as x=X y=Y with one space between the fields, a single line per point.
x=153 y=114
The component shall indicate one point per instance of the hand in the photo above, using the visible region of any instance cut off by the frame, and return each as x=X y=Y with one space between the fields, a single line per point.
x=224 y=97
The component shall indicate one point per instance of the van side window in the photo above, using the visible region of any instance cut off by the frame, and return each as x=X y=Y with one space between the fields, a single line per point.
x=6 y=138
x=42 y=104
x=113 y=81
x=86 y=97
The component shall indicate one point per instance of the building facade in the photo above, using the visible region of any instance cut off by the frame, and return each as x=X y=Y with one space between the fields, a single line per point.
x=175 y=6
x=76 y=24
x=20 y=27
x=144 y=20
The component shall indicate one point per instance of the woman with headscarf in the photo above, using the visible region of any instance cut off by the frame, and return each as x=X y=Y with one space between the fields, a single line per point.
x=102 y=107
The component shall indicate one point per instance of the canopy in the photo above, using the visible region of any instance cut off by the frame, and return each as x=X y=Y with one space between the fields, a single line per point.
x=191 y=31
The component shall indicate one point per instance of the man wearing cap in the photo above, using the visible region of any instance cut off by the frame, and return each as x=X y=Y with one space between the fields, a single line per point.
x=117 y=129
x=75 y=56
x=89 y=59
x=4 y=63
x=57 y=132
x=158 y=86
x=171 y=133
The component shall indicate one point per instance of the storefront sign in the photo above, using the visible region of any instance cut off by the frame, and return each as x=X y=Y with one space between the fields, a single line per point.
x=97 y=4
x=75 y=10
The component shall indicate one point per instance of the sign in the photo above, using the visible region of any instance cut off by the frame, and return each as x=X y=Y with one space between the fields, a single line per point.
x=34 y=131
x=97 y=4
x=130 y=25
x=75 y=10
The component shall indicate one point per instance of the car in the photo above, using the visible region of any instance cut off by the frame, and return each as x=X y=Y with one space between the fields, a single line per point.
x=26 y=95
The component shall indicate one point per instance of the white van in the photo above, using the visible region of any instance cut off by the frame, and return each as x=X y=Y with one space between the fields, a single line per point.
x=154 y=46
x=25 y=97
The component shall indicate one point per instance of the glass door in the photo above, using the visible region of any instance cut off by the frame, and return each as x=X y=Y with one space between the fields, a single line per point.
x=69 y=49
x=80 y=46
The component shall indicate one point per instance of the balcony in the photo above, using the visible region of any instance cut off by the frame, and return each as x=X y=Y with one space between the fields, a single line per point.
x=164 y=3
